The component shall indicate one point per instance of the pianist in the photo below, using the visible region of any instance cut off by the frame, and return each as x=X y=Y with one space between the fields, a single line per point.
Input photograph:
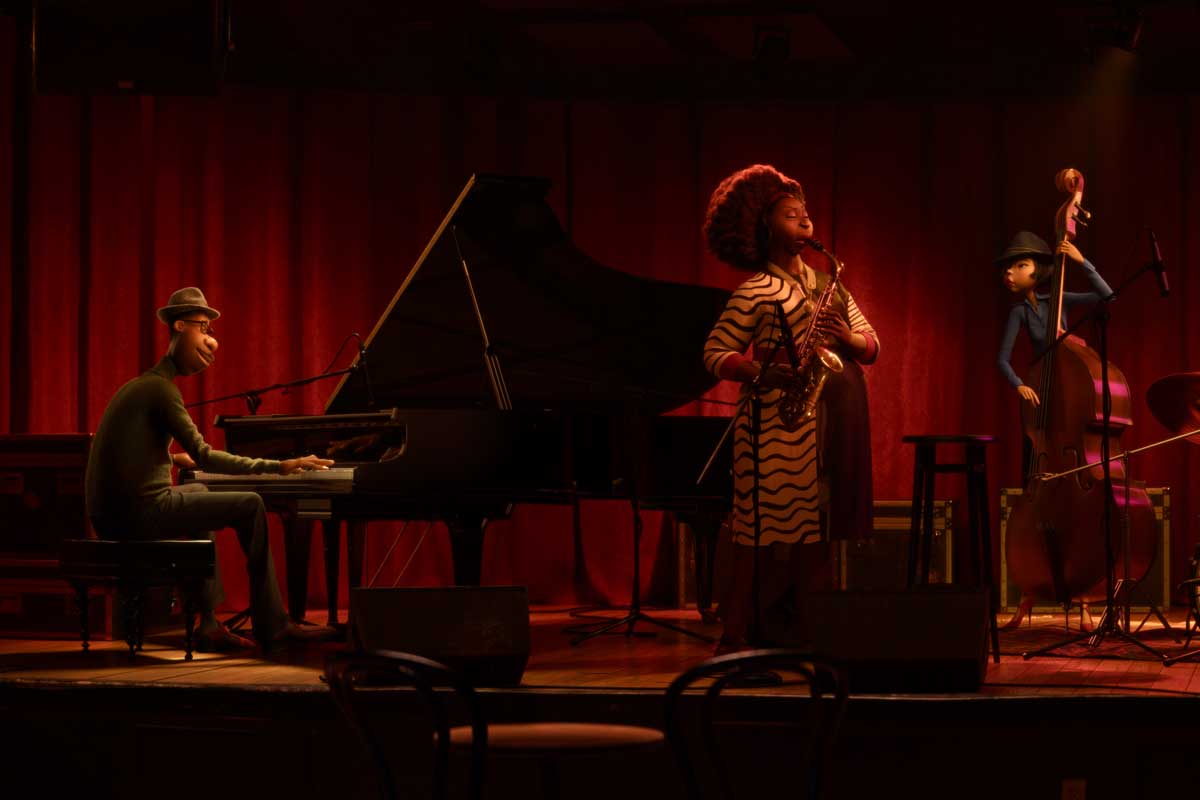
x=128 y=484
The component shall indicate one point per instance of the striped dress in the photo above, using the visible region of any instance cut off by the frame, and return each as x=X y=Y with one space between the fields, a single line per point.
x=791 y=496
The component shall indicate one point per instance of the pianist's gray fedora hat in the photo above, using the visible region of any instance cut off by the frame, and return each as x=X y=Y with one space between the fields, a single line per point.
x=186 y=301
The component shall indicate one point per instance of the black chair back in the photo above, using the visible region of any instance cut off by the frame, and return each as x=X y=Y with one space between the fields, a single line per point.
x=827 y=693
x=348 y=673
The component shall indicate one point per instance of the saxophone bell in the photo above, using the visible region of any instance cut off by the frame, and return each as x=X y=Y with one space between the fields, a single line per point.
x=799 y=407
x=830 y=360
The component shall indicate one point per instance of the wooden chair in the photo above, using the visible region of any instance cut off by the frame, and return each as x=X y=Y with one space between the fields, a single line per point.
x=133 y=568
x=546 y=744
x=349 y=673
x=694 y=729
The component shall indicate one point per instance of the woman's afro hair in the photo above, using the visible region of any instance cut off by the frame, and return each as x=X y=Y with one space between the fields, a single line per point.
x=734 y=225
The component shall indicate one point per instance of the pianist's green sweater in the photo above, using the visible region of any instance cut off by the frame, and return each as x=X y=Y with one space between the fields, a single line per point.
x=129 y=464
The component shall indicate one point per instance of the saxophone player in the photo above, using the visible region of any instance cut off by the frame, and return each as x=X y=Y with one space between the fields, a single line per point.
x=815 y=476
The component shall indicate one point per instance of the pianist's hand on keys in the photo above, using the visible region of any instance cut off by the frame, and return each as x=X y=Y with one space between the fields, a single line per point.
x=291 y=466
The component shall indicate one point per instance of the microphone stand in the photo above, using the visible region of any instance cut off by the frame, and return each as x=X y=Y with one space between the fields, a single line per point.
x=753 y=396
x=253 y=397
x=1121 y=287
x=633 y=450
x=1110 y=621
x=361 y=365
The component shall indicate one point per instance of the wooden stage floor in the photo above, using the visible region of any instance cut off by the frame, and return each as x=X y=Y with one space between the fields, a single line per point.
x=605 y=663
x=1032 y=730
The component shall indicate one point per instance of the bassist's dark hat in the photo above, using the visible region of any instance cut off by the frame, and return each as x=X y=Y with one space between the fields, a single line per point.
x=1025 y=245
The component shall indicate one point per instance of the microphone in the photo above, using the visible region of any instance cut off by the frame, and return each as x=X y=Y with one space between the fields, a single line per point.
x=785 y=336
x=1156 y=264
x=362 y=365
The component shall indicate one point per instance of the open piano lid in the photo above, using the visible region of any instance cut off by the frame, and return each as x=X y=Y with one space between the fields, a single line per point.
x=570 y=333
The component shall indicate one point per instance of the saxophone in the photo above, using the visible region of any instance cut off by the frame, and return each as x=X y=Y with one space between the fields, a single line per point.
x=813 y=362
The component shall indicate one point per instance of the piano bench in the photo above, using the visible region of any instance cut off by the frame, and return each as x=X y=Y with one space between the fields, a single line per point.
x=134 y=567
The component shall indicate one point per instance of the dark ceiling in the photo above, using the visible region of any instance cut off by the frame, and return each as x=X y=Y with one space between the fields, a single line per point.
x=705 y=48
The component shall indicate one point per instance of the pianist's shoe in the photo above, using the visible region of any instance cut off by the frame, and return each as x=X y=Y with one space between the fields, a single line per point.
x=298 y=633
x=221 y=640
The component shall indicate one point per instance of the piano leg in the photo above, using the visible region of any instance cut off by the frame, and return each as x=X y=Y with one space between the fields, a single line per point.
x=355 y=539
x=331 y=536
x=355 y=545
x=466 y=545
x=298 y=544
x=585 y=591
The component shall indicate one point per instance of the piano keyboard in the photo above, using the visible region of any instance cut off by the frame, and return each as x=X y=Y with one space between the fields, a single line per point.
x=335 y=480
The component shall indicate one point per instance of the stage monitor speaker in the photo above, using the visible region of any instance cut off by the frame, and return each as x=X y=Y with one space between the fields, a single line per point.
x=931 y=639
x=130 y=46
x=482 y=632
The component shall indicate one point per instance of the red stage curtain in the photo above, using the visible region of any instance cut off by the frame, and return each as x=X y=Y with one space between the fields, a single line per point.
x=299 y=214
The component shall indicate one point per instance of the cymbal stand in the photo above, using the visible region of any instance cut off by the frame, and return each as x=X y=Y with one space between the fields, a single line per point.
x=1154 y=611
x=1192 y=624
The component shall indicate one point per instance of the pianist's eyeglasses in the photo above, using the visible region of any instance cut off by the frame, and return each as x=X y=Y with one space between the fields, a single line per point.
x=205 y=327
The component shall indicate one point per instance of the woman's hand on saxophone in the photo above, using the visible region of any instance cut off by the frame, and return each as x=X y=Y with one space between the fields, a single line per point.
x=775 y=376
x=832 y=326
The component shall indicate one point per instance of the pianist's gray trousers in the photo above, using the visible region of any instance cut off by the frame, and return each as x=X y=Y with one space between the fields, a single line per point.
x=192 y=512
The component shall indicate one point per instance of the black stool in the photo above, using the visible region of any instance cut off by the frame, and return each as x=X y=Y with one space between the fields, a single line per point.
x=133 y=567
x=920 y=543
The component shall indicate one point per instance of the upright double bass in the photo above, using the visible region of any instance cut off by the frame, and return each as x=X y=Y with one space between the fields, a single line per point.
x=1055 y=545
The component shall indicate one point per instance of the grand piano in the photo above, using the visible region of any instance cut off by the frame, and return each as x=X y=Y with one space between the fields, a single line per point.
x=508 y=368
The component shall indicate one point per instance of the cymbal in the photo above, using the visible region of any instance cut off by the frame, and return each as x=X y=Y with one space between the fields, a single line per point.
x=1174 y=401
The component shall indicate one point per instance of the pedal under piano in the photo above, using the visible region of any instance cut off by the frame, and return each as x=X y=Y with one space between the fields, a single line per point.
x=508 y=368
